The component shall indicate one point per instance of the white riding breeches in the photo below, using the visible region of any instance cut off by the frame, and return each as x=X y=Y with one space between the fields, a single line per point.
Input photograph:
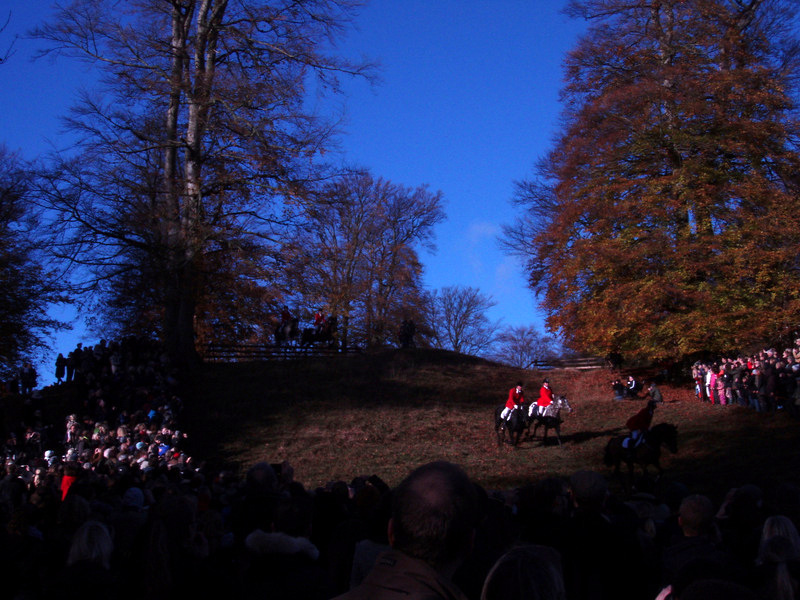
x=636 y=438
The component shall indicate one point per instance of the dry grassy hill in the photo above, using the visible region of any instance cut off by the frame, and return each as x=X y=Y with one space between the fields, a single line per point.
x=388 y=412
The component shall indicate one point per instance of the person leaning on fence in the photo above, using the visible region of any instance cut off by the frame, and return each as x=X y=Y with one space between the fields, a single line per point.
x=516 y=398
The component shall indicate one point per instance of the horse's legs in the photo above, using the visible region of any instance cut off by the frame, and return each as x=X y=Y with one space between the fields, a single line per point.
x=499 y=430
x=660 y=469
x=631 y=472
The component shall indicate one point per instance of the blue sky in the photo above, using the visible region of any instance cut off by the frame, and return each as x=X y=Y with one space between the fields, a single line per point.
x=468 y=101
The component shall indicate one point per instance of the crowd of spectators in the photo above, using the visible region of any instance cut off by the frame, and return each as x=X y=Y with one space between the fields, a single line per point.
x=109 y=504
x=766 y=381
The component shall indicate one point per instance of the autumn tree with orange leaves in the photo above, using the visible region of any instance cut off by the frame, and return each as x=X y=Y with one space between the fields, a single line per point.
x=665 y=221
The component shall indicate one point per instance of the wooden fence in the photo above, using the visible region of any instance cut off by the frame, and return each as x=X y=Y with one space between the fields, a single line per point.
x=256 y=352
x=593 y=362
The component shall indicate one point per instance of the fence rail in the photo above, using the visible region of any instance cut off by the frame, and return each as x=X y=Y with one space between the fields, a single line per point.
x=592 y=362
x=255 y=352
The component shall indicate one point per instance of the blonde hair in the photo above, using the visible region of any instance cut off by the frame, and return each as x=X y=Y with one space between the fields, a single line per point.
x=780 y=543
x=783 y=526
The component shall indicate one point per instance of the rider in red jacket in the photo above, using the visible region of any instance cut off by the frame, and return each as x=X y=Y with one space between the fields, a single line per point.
x=516 y=398
x=545 y=398
x=319 y=321
x=639 y=424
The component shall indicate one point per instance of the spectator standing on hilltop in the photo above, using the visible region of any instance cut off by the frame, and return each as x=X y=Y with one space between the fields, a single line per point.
x=406 y=333
x=27 y=378
x=721 y=385
x=770 y=387
x=431 y=532
x=74 y=362
x=699 y=374
x=61 y=367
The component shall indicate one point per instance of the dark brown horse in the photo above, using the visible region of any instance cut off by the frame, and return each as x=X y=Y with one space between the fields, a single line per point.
x=326 y=334
x=287 y=332
x=645 y=454
x=514 y=425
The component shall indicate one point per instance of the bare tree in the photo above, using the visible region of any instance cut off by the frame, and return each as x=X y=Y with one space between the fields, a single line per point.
x=197 y=146
x=358 y=254
x=522 y=346
x=29 y=288
x=457 y=320
x=9 y=50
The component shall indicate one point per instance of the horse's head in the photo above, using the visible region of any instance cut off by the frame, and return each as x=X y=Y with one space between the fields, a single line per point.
x=562 y=403
x=667 y=434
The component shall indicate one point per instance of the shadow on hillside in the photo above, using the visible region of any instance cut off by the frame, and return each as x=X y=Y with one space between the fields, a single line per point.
x=568 y=437
x=233 y=404
x=585 y=436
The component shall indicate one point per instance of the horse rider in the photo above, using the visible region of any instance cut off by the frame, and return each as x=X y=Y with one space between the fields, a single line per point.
x=639 y=424
x=286 y=316
x=319 y=321
x=516 y=398
x=544 y=401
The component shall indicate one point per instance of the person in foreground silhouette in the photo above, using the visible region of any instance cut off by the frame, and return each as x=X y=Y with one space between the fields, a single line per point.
x=431 y=532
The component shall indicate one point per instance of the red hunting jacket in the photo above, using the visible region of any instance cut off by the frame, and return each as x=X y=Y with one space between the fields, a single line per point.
x=641 y=420
x=514 y=398
x=545 y=397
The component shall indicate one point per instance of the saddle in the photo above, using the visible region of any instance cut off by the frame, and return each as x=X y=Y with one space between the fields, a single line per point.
x=631 y=449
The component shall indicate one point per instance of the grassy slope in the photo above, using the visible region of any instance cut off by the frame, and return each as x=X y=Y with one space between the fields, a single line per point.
x=389 y=412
